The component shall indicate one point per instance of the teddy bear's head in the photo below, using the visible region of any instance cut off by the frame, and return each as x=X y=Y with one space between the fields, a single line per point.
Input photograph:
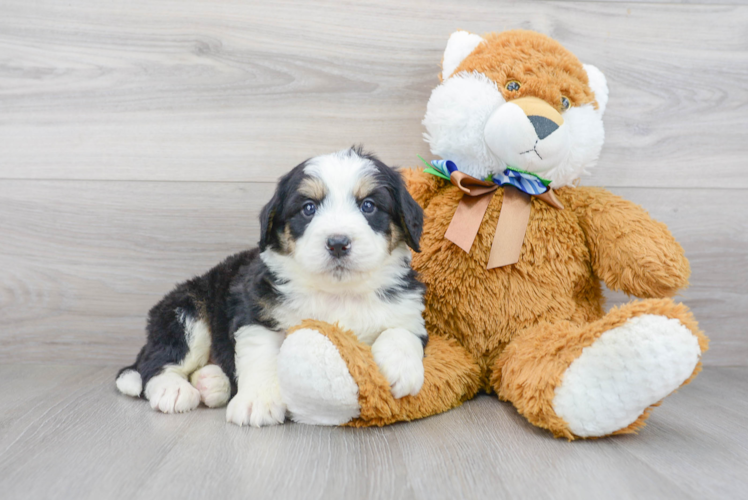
x=516 y=99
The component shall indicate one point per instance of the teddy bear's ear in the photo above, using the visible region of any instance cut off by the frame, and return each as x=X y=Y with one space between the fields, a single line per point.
x=459 y=46
x=599 y=86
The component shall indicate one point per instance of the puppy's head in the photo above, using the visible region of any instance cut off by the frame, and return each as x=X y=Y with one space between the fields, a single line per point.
x=341 y=215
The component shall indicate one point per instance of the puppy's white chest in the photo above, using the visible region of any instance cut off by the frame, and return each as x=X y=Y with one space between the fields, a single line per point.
x=365 y=315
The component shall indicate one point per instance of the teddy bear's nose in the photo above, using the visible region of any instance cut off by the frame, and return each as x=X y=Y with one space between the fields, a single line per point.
x=544 y=117
x=542 y=125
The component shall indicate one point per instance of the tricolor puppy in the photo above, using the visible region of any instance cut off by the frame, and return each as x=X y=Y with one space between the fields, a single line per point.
x=333 y=247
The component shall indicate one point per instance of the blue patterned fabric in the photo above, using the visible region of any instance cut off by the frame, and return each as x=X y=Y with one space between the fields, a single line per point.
x=524 y=181
x=444 y=166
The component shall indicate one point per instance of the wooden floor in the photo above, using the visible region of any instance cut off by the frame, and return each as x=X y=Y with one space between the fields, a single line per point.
x=66 y=433
x=140 y=138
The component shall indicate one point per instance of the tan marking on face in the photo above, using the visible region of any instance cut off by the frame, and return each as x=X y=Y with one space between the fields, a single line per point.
x=396 y=236
x=287 y=243
x=364 y=187
x=313 y=187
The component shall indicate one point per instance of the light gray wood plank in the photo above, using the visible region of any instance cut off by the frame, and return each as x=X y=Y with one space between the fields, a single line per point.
x=495 y=453
x=694 y=2
x=699 y=441
x=241 y=91
x=80 y=439
x=82 y=262
x=32 y=387
x=713 y=231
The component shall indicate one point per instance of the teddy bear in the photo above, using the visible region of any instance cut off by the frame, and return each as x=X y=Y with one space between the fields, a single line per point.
x=513 y=254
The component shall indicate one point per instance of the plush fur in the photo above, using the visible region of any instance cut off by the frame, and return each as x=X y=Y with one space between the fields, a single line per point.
x=334 y=246
x=535 y=332
x=472 y=118
x=450 y=377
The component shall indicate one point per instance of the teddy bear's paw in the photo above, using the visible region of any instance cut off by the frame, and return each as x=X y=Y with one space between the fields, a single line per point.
x=213 y=384
x=171 y=393
x=258 y=406
x=399 y=356
x=626 y=370
x=315 y=381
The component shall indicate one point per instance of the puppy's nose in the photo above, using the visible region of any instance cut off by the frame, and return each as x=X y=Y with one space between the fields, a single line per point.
x=338 y=245
x=542 y=125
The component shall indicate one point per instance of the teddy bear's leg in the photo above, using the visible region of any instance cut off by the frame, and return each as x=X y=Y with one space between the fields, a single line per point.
x=328 y=377
x=604 y=377
x=315 y=382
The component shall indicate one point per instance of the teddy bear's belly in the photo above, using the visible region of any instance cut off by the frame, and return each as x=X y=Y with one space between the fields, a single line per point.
x=483 y=309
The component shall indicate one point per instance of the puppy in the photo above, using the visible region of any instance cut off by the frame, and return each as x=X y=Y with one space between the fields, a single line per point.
x=333 y=247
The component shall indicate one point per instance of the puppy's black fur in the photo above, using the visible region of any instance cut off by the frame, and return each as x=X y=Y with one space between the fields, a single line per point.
x=242 y=291
x=283 y=208
x=395 y=204
x=203 y=297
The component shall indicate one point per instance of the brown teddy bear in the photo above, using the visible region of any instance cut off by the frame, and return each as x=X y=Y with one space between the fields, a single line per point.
x=513 y=255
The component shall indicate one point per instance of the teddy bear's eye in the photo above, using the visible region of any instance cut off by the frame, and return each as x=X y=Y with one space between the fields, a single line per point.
x=513 y=85
x=565 y=102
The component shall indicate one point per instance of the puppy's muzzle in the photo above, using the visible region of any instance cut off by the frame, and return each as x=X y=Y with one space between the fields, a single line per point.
x=338 y=245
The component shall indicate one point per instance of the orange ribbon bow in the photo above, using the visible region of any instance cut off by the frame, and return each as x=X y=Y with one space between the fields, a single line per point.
x=513 y=219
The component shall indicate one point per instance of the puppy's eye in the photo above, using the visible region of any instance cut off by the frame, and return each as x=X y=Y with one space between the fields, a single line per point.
x=368 y=206
x=309 y=209
x=513 y=85
x=565 y=102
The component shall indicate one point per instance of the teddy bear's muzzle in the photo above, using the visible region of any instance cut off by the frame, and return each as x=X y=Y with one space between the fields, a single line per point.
x=527 y=133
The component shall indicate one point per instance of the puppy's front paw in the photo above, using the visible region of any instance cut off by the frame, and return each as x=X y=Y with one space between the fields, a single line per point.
x=170 y=393
x=256 y=407
x=399 y=356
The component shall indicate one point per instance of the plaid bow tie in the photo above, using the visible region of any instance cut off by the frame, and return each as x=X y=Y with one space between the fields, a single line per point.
x=526 y=182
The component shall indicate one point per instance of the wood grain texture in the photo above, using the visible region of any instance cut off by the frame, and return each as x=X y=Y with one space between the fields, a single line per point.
x=243 y=90
x=66 y=433
x=694 y=2
x=139 y=139
x=715 y=428
x=82 y=261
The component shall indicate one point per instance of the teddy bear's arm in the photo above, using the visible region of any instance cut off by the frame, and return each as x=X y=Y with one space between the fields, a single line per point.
x=630 y=251
x=422 y=187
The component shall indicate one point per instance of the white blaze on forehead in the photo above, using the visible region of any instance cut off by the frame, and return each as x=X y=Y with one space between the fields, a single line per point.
x=342 y=173
x=346 y=177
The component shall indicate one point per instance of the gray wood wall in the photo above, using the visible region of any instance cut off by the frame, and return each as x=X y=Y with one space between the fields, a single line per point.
x=139 y=138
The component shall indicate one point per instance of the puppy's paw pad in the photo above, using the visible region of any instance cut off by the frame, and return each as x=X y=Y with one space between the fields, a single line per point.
x=399 y=356
x=170 y=393
x=256 y=408
x=213 y=385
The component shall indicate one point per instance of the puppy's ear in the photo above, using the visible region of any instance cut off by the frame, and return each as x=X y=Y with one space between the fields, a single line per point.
x=270 y=216
x=409 y=212
x=267 y=215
